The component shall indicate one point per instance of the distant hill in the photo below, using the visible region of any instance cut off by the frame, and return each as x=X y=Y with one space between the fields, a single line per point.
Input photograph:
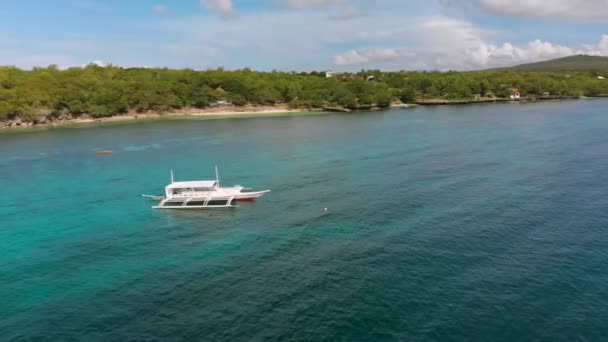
x=572 y=63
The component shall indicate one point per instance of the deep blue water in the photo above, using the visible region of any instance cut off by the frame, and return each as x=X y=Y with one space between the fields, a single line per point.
x=476 y=223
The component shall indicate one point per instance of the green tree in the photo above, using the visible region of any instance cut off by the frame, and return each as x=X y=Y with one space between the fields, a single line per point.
x=407 y=95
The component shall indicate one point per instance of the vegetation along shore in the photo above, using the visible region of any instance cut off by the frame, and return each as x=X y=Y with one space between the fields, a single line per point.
x=53 y=96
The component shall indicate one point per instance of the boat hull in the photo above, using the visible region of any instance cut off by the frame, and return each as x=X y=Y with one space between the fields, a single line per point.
x=248 y=199
x=191 y=207
x=249 y=196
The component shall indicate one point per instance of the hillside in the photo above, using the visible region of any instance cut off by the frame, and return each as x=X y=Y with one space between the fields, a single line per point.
x=582 y=63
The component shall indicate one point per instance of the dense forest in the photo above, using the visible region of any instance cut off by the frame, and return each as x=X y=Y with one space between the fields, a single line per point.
x=97 y=91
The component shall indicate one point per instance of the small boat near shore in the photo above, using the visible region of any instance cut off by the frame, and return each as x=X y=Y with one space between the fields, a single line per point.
x=203 y=194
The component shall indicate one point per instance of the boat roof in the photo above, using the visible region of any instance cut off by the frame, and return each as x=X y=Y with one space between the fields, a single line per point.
x=191 y=184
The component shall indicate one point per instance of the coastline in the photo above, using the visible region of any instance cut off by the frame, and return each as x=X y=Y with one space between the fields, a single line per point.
x=442 y=102
x=220 y=112
x=226 y=112
x=191 y=112
x=216 y=112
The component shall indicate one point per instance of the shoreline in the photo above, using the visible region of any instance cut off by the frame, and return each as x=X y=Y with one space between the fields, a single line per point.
x=257 y=111
x=218 y=112
x=225 y=112
x=443 y=102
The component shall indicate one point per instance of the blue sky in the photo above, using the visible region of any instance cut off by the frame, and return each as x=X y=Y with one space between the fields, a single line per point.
x=300 y=34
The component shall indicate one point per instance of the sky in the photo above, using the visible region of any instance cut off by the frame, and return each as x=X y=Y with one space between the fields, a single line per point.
x=300 y=35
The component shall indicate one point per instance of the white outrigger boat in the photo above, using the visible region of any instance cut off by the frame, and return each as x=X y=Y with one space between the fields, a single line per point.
x=203 y=194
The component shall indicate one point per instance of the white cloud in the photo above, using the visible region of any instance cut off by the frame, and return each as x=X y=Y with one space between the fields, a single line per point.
x=299 y=33
x=508 y=54
x=536 y=50
x=365 y=56
x=446 y=43
x=225 y=8
x=98 y=63
x=301 y=40
x=160 y=9
x=484 y=55
x=342 y=9
x=313 y=3
x=347 y=14
x=307 y=40
x=563 y=9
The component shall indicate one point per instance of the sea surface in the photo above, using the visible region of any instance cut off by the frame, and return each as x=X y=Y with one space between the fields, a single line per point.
x=459 y=223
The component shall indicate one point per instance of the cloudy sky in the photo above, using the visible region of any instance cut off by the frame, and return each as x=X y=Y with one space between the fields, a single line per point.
x=300 y=34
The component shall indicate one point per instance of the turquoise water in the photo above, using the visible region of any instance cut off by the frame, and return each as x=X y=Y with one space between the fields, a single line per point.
x=477 y=223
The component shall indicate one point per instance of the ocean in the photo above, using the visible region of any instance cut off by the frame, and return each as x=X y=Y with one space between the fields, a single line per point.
x=454 y=223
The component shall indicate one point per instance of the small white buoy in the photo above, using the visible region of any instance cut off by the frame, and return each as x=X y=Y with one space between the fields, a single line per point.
x=325 y=209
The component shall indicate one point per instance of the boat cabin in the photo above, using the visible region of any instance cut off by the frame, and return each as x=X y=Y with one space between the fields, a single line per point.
x=188 y=189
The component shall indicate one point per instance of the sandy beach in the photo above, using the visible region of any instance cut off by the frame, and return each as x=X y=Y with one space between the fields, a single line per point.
x=215 y=112
x=225 y=111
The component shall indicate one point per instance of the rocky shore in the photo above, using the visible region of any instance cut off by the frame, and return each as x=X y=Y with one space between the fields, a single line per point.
x=439 y=102
x=47 y=119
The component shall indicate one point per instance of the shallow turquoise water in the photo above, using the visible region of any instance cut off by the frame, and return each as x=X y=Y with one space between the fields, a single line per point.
x=482 y=223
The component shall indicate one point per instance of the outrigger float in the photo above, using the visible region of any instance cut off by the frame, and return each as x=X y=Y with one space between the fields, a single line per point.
x=203 y=194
